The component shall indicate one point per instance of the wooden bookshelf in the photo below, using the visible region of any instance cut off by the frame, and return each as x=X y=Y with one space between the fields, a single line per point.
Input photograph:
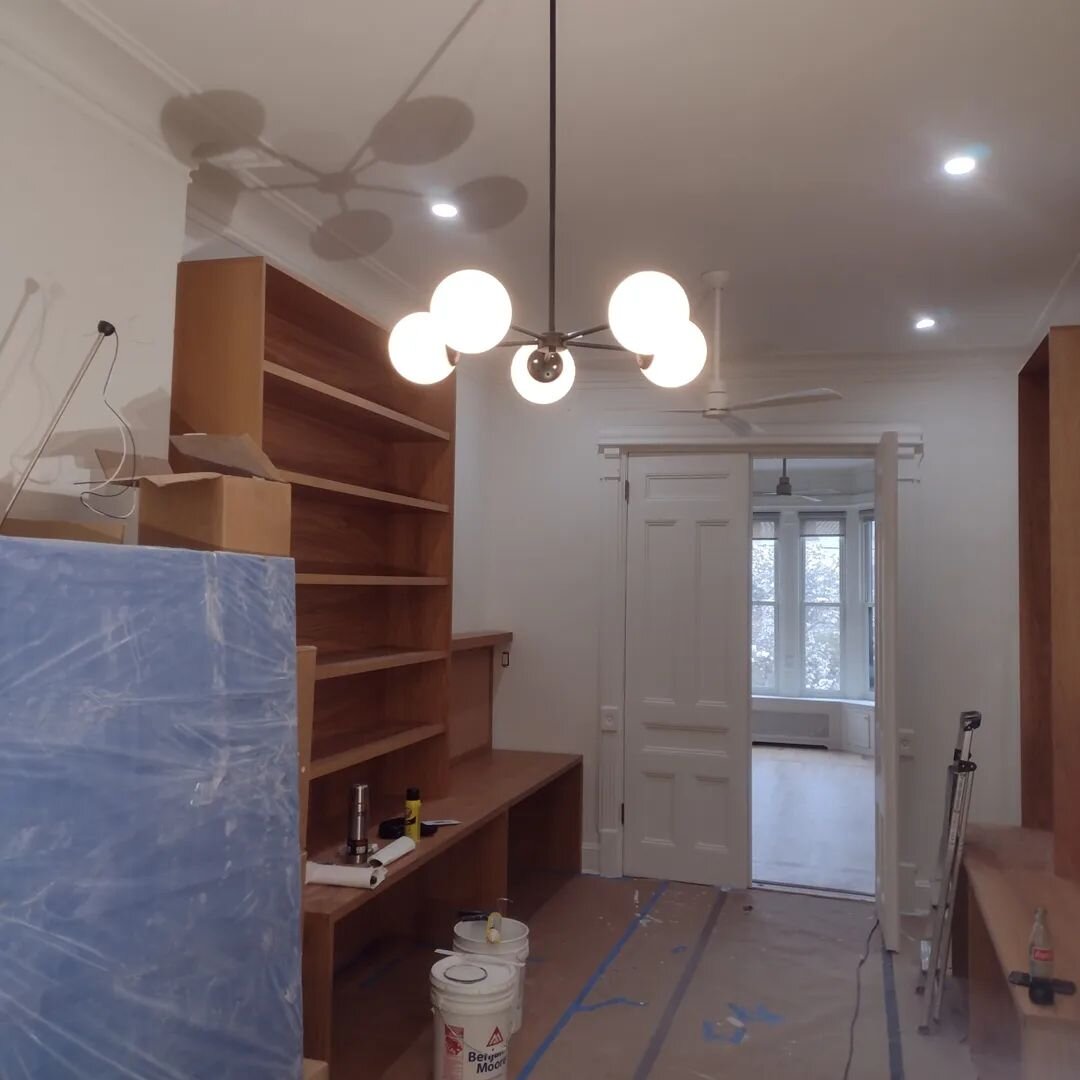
x=342 y=752
x=1049 y=580
x=334 y=665
x=369 y=579
x=355 y=491
x=370 y=460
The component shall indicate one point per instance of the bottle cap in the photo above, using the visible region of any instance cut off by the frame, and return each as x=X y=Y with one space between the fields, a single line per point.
x=412 y=793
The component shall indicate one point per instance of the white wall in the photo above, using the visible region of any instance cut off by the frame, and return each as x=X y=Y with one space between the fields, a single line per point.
x=93 y=228
x=541 y=507
x=477 y=403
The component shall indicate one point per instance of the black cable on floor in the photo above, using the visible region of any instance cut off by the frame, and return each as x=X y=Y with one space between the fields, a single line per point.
x=858 y=998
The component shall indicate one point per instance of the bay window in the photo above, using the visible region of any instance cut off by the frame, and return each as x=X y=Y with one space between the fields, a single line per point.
x=812 y=603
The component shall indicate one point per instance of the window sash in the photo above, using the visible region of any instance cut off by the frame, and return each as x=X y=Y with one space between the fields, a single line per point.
x=822 y=524
x=772 y=683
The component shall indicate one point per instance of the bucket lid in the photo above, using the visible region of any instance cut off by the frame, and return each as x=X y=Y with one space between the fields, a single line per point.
x=468 y=976
x=475 y=931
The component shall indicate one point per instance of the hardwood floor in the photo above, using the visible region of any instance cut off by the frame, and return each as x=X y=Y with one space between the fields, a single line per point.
x=813 y=818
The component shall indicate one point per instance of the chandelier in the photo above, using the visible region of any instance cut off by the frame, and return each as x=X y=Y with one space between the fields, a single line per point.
x=471 y=312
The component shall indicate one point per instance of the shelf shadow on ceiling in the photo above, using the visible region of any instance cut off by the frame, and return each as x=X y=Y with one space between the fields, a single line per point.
x=219 y=133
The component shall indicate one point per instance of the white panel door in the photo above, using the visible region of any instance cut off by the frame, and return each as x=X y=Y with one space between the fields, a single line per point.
x=687 y=788
x=886 y=747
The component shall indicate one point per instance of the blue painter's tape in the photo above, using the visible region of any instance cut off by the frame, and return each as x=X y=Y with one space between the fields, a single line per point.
x=892 y=1018
x=612 y=1001
x=716 y=1031
x=575 y=1006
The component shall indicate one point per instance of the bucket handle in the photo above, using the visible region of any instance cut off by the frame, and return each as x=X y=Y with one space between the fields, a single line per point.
x=481 y=958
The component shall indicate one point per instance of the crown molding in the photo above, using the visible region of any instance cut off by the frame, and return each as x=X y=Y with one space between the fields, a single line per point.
x=52 y=43
x=111 y=76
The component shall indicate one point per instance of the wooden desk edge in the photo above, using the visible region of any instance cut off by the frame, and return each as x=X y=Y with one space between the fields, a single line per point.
x=354 y=899
x=480 y=639
x=986 y=867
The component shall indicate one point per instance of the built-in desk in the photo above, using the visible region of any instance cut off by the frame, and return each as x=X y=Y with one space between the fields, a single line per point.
x=1008 y=876
x=519 y=837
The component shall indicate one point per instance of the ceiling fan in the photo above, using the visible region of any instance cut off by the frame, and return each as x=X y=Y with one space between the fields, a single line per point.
x=717 y=405
x=784 y=489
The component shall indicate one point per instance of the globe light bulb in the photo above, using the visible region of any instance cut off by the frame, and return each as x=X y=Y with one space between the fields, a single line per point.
x=644 y=309
x=472 y=311
x=417 y=351
x=680 y=357
x=541 y=393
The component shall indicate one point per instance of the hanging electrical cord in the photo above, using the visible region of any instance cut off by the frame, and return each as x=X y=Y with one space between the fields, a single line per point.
x=858 y=998
x=127 y=437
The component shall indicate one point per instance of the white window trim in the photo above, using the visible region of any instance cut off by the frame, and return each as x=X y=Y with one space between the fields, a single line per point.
x=789 y=633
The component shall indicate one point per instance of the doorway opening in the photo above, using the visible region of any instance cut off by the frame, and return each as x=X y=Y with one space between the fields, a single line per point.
x=812 y=634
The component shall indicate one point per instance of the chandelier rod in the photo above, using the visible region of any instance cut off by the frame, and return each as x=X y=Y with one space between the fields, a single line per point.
x=551 y=168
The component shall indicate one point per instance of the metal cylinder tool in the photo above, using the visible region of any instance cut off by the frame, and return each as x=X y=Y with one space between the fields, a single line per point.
x=357 y=847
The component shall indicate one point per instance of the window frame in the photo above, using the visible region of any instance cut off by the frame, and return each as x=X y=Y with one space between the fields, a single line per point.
x=774 y=517
x=839 y=605
x=789 y=666
x=868 y=600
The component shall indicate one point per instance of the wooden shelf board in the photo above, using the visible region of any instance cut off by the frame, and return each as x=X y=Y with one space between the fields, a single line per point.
x=367 y=579
x=355 y=491
x=1010 y=871
x=379 y=418
x=338 y=665
x=481 y=787
x=333 y=754
x=481 y=639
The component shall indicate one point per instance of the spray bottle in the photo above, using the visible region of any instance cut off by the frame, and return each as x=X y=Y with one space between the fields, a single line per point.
x=412 y=814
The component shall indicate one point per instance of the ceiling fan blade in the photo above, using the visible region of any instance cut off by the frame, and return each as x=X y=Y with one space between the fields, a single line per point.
x=799 y=397
x=736 y=424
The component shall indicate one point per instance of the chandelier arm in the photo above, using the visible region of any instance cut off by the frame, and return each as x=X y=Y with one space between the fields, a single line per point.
x=551 y=168
x=574 y=335
x=599 y=345
x=514 y=344
x=526 y=331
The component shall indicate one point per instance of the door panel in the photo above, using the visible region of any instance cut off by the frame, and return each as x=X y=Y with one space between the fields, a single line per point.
x=687 y=669
x=886 y=749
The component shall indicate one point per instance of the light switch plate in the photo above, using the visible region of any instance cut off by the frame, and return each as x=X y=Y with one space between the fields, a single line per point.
x=906 y=738
x=609 y=718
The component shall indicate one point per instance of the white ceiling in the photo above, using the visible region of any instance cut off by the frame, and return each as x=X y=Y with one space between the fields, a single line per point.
x=796 y=143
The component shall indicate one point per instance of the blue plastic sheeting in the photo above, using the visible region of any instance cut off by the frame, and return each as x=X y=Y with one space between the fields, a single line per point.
x=149 y=862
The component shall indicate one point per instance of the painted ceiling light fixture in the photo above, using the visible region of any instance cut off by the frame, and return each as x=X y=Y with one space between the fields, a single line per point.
x=470 y=312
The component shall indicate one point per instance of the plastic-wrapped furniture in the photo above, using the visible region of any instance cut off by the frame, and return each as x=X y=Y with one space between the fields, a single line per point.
x=149 y=878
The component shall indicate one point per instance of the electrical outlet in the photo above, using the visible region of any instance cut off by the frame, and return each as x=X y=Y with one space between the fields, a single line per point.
x=906 y=737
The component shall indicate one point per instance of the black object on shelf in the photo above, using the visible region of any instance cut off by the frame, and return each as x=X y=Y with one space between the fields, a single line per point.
x=1042 y=991
x=394 y=828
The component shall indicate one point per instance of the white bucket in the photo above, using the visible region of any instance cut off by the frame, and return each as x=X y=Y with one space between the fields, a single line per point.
x=469 y=937
x=473 y=1007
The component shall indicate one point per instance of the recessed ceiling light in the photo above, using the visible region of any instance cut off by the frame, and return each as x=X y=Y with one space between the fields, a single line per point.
x=960 y=165
x=444 y=209
x=925 y=322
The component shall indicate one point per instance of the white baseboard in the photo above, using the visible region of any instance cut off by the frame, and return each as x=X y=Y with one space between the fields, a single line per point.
x=914 y=893
x=590 y=857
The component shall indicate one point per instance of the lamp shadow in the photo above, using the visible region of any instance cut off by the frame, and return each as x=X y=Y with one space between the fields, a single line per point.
x=219 y=133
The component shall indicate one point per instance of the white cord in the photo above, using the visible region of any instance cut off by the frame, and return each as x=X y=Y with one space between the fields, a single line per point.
x=126 y=436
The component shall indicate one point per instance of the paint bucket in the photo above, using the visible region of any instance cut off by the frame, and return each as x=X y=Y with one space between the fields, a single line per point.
x=473 y=1007
x=469 y=937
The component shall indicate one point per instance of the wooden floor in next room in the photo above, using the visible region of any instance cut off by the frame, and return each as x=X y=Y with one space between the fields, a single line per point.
x=813 y=818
